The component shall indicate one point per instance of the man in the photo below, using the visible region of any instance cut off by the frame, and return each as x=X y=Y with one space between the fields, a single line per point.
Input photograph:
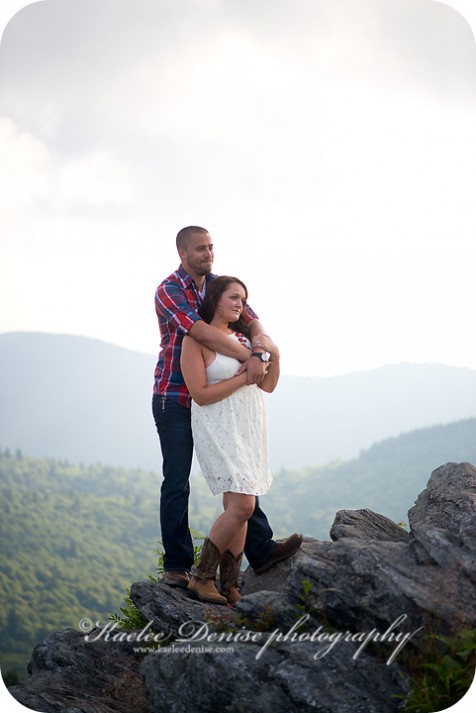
x=177 y=300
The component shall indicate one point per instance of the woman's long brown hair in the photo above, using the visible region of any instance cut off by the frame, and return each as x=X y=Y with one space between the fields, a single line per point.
x=214 y=291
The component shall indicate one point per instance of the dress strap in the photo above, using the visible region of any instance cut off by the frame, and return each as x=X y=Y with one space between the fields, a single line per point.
x=241 y=338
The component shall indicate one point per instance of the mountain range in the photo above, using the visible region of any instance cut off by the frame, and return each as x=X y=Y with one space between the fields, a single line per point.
x=89 y=401
x=74 y=537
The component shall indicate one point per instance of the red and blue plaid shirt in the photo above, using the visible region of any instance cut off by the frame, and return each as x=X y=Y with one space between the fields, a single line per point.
x=177 y=301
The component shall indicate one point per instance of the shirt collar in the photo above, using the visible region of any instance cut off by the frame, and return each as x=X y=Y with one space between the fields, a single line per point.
x=184 y=276
x=187 y=281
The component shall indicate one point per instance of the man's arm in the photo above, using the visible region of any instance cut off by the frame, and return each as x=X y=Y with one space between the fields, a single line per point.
x=214 y=339
x=171 y=304
x=256 y=329
x=217 y=341
x=254 y=367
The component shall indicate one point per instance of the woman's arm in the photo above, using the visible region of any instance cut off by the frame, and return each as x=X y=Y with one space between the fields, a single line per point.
x=193 y=368
x=272 y=375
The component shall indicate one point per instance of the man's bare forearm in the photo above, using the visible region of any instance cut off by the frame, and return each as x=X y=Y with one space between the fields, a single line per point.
x=216 y=340
x=256 y=330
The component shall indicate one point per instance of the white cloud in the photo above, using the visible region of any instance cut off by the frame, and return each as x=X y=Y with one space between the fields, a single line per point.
x=336 y=138
x=98 y=178
x=31 y=176
x=22 y=168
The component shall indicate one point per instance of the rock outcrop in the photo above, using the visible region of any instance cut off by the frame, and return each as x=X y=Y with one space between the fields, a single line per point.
x=69 y=674
x=328 y=630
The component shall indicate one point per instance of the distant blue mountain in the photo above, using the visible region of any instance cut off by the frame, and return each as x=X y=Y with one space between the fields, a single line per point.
x=88 y=401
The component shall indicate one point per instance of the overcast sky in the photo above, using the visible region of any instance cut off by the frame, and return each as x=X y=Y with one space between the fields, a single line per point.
x=328 y=145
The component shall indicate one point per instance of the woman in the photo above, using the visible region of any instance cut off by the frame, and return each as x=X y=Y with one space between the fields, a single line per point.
x=230 y=436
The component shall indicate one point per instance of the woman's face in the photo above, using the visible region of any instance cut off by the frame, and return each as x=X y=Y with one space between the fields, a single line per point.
x=231 y=303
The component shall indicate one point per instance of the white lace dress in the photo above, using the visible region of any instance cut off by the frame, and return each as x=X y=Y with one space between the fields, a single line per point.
x=231 y=437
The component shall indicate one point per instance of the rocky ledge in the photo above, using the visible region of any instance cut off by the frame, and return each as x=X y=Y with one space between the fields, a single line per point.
x=331 y=630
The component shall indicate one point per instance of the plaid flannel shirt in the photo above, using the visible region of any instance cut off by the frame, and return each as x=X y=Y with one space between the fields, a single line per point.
x=177 y=301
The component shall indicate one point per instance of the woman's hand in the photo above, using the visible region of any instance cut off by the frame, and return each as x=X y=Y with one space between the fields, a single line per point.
x=255 y=370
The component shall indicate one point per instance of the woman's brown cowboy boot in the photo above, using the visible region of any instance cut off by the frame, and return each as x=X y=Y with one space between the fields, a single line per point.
x=202 y=582
x=229 y=573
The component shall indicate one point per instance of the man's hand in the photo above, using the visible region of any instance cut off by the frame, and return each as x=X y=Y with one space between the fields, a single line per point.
x=255 y=370
x=262 y=341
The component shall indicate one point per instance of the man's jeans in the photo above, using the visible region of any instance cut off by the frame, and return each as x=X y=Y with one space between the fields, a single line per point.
x=173 y=423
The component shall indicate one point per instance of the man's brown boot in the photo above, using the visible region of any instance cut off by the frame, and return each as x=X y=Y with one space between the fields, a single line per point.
x=229 y=573
x=202 y=582
x=281 y=551
x=177 y=579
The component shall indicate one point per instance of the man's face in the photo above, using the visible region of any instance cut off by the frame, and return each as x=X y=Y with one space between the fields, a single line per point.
x=197 y=257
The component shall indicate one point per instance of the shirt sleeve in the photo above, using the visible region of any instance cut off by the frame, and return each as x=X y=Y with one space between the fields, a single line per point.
x=249 y=315
x=171 y=304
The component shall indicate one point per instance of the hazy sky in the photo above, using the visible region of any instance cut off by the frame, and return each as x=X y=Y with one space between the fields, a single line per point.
x=328 y=145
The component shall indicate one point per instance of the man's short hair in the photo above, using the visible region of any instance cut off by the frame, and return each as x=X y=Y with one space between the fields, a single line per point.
x=186 y=234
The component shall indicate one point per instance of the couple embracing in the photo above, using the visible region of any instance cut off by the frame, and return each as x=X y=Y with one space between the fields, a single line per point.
x=214 y=363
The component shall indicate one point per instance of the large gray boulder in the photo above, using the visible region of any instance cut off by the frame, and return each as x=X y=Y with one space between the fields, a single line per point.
x=68 y=674
x=326 y=631
x=285 y=678
x=449 y=499
x=168 y=608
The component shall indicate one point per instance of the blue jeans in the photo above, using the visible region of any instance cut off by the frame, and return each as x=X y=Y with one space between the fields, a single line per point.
x=173 y=423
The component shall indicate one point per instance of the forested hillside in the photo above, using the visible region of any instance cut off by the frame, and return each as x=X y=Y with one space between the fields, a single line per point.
x=75 y=537
x=386 y=478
